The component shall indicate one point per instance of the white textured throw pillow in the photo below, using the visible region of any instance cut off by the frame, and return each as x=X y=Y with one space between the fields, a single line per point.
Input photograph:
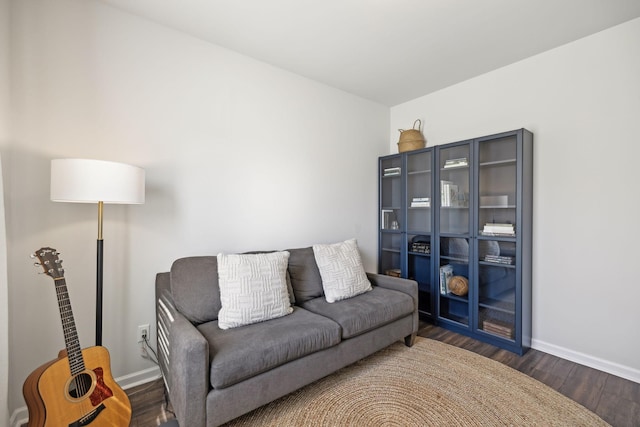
x=253 y=288
x=341 y=269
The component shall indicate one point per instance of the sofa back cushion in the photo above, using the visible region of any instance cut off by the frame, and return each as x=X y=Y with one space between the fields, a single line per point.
x=304 y=274
x=194 y=286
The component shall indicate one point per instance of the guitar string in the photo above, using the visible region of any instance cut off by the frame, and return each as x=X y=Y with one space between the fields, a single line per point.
x=74 y=352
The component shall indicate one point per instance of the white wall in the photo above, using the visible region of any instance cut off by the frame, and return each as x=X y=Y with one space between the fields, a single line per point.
x=239 y=156
x=582 y=102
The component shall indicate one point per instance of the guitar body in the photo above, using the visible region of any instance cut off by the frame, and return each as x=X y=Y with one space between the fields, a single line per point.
x=55 y=397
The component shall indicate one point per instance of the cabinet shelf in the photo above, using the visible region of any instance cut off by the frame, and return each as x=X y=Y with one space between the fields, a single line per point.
x=499 y=238
x=420 y=172
x=496 y=264
x=463 y=320
x=391 y=249
x=498 y=207
x=455 y=260
x=498 y=305
x=454 y=297
x=498 y=163
x=420 y=254
x=454 y=168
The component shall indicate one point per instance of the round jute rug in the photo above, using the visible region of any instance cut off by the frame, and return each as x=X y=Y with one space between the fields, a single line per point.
x=429 y=384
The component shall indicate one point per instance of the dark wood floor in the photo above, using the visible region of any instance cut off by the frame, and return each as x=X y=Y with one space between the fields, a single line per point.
x=615 y=400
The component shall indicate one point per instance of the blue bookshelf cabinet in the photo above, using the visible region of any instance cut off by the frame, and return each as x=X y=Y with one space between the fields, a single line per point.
x=406 y=220
x=462 y=213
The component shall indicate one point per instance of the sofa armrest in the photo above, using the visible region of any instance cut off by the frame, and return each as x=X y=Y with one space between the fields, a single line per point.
x=407 y=286
x=189 y=372
x=184 y=358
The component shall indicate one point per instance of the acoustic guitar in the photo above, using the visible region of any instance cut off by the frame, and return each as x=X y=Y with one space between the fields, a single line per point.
x=77 y=388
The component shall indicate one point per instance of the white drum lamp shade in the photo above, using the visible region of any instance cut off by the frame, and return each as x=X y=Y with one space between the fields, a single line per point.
x=93 y=181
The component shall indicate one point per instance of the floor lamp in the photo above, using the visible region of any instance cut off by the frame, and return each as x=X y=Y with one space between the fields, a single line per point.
x=96 y=181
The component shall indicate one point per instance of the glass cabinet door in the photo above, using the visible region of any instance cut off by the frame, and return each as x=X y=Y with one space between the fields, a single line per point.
x=497 y=229
x=391 y=216
x=419 y=200
x=454 y=226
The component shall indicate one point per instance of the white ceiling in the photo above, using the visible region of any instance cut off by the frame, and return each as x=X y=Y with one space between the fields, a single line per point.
x=388 y=51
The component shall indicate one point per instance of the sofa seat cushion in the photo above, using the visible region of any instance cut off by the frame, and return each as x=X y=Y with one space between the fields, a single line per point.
x=243 y=352
x=364 y=312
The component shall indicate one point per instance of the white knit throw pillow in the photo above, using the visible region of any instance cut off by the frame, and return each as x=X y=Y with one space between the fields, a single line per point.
x=253 y=288
x=341 y=269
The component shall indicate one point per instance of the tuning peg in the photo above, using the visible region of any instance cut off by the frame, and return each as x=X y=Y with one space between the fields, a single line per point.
x=32 y=256
x=37 y=264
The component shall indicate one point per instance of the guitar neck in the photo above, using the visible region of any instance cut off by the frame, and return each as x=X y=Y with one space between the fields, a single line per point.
x=72 y=344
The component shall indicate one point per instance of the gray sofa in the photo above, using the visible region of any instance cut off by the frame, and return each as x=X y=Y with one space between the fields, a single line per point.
x=213 y=375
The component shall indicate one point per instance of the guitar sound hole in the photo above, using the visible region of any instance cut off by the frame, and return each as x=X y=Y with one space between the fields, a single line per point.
x=80 y=385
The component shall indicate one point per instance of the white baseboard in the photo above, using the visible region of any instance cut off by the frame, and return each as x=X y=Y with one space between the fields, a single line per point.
x=21 y=415
x=138 y=378
x=607 y=366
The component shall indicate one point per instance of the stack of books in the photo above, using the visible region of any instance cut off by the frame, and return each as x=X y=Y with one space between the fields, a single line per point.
x=456 y=163
x=421 y=247
x=446 y=273
x=448 y=193
x=395 y=272
x=420 y=202
x=499 y=328
x=499 y=259
x=391 y=172
x=497 y=229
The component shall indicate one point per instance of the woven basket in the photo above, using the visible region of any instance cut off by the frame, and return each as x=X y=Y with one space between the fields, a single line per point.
x=411 y=139
x=458 y=285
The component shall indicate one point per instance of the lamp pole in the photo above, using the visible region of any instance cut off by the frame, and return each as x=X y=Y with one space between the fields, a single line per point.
x=99 y=263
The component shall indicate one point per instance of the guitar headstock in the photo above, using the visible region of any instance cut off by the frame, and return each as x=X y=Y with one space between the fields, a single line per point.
x=49 y=261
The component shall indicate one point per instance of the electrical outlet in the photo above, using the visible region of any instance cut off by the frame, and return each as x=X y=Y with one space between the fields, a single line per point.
x=143 y=332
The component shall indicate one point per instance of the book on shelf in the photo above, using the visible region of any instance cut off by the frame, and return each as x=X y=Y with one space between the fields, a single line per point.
x=497 y=327
x=395 y=272
x=499 y=259
x=448 y=193
x=456 y=163
x=391 y=171
x=420 y=202
x=386 y=217
x=421 y=247
x=446 y=273
x=498 y=229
